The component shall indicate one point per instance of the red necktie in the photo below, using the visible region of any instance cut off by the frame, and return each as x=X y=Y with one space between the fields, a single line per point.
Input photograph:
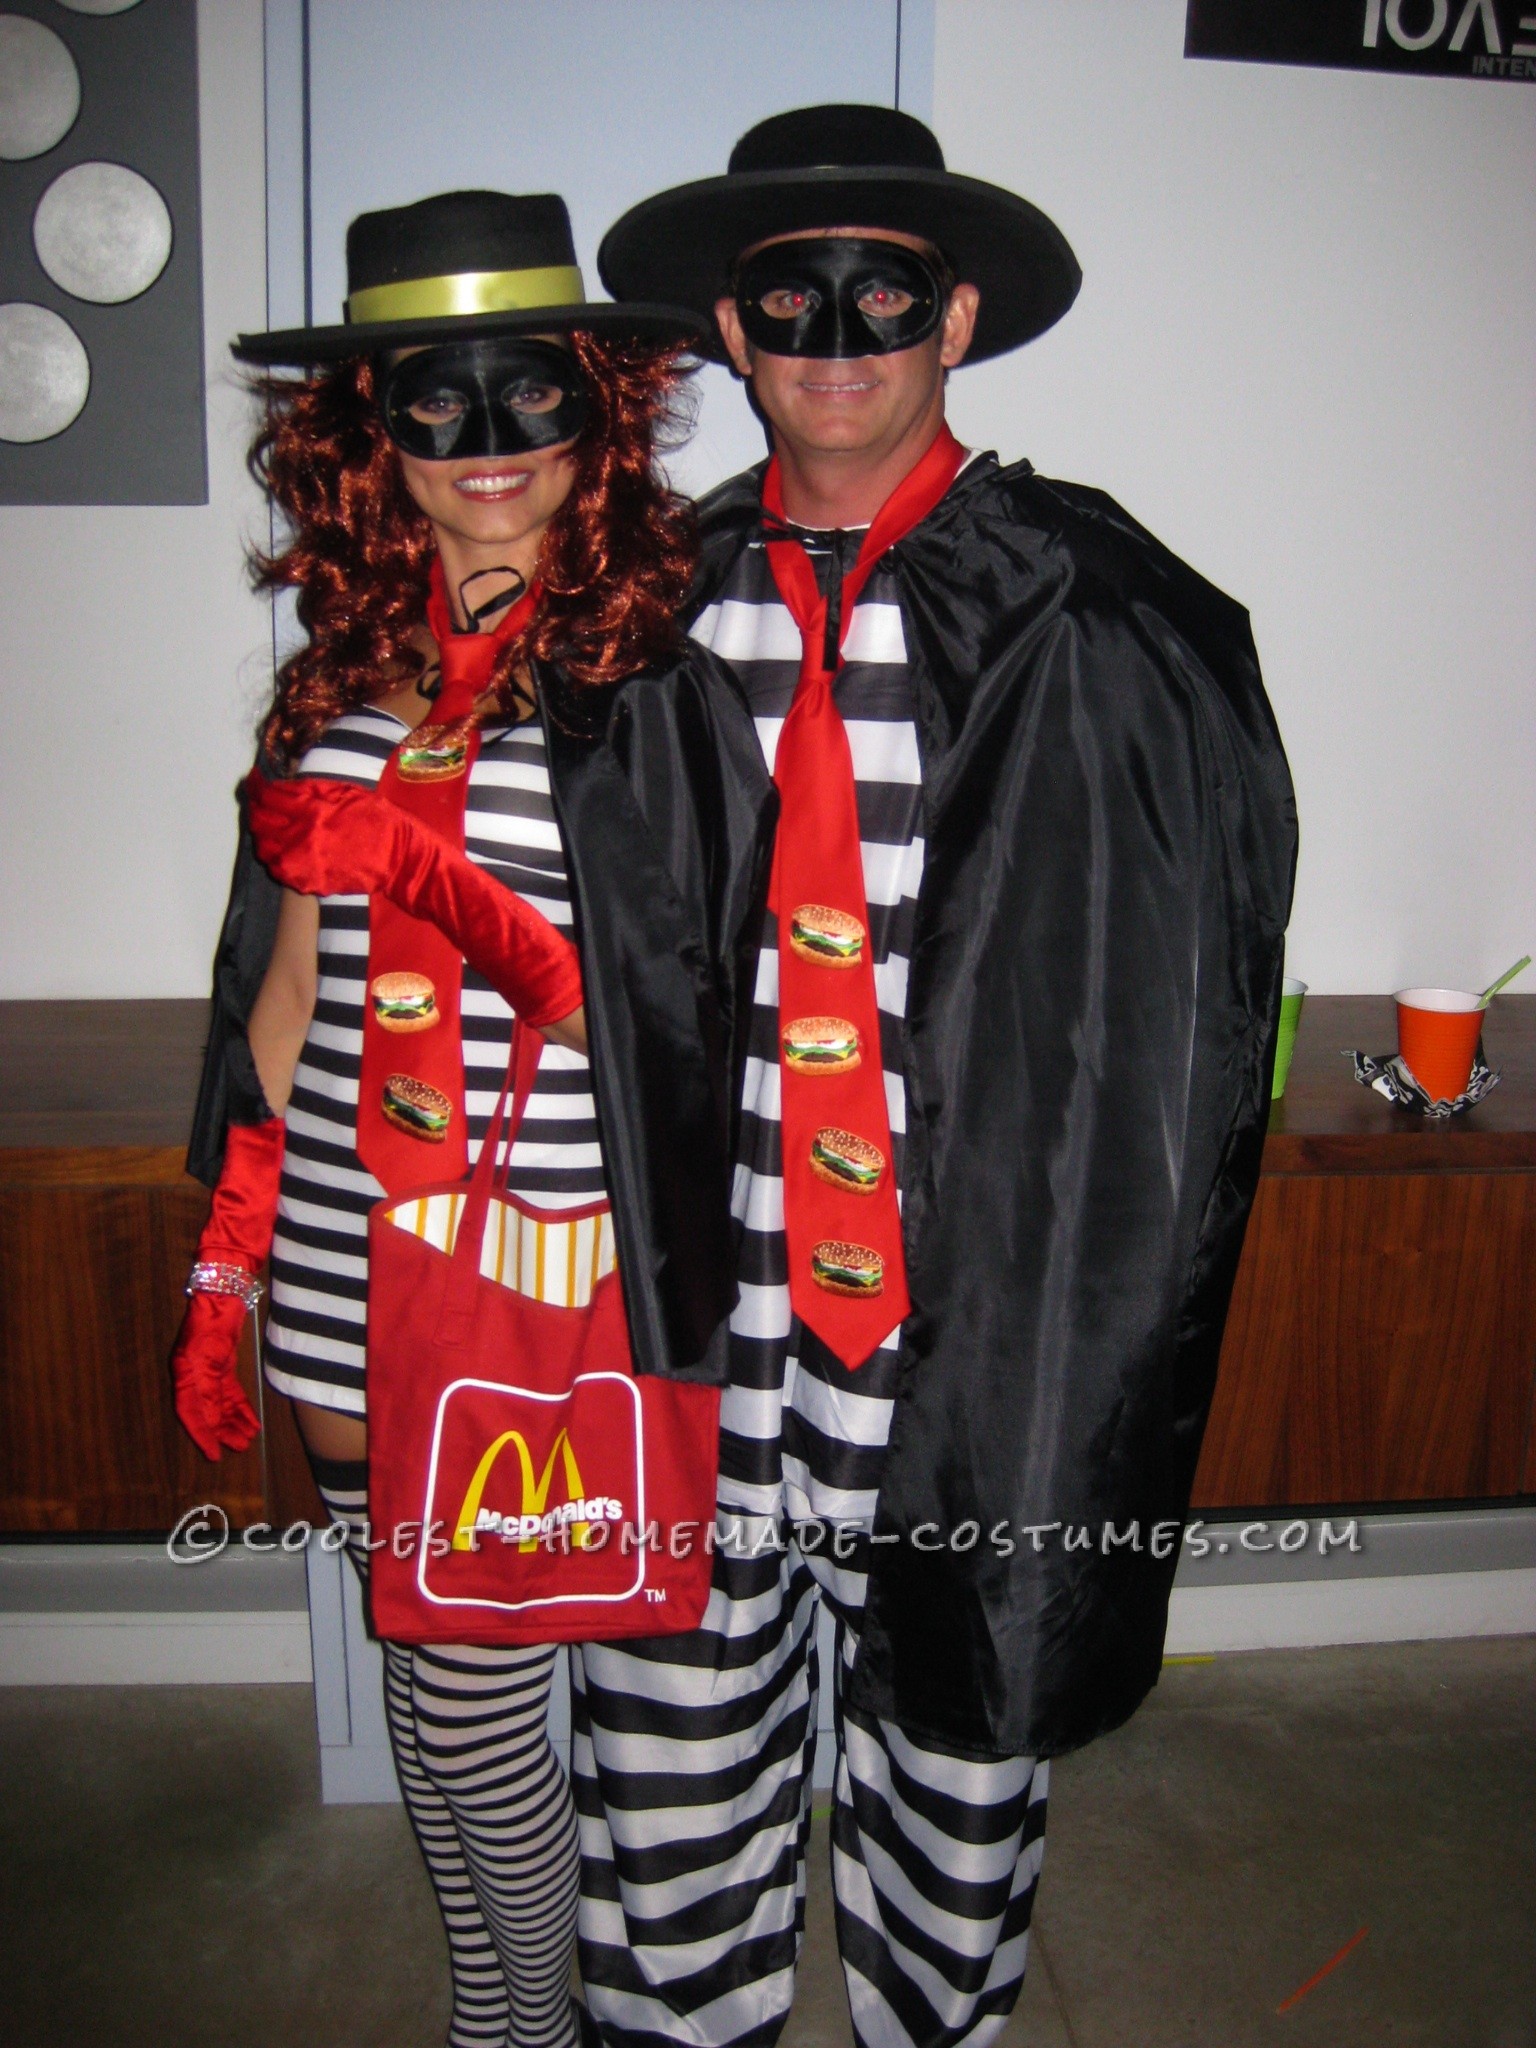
x=842 y=1222
x=410 y=1104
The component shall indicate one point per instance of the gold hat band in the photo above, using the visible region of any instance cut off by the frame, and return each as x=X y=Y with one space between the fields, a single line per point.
x=471 y=291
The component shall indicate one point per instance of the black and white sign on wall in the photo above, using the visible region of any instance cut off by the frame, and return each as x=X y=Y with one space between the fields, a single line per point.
x=1442 y=38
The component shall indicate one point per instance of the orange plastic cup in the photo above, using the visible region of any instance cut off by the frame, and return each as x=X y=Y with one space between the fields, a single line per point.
x=1437 y=1034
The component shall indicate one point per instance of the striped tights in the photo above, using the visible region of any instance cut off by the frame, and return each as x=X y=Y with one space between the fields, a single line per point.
x=491 y=1810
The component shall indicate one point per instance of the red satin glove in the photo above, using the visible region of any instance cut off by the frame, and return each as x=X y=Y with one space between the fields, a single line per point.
x=328 y=838
x=210 y=1400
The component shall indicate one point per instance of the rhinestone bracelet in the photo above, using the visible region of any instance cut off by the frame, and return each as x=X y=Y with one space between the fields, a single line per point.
x=214 y=1276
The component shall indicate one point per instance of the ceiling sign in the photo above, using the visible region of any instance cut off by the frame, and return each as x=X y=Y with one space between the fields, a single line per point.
x=1440 y=38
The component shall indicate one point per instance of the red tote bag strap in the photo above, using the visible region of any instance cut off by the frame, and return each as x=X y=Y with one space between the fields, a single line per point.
x=522 y=1072
x=457 y=1316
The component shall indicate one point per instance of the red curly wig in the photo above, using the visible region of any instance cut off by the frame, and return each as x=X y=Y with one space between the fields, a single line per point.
x=616 y=562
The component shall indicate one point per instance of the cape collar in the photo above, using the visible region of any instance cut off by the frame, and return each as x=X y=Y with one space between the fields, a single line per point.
x=730 y=516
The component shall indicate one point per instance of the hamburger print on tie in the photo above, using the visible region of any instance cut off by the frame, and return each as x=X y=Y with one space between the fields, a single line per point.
x=846 y=1161
x=410 y=1110
x=827 y=938
x=851 y=1290
x=404 y=1002
x=417 y=1108
x=434 y=753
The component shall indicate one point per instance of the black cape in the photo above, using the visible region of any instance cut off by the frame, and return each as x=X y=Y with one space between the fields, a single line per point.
x=1095 y=980
x=1094 y=984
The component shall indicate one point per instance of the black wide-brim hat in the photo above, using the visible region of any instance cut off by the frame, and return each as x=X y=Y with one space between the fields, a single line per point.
x=846 y=167
x=465 y=266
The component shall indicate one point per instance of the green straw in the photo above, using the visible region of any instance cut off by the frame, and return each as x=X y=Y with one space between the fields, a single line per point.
x=1508 y=975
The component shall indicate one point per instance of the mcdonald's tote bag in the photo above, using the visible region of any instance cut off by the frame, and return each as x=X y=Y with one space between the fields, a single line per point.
x=524 y=1485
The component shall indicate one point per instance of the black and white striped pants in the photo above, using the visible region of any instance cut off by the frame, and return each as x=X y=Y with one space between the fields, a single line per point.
x=691 y=1763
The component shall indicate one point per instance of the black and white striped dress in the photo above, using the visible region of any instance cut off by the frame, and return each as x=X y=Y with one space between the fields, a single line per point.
x=691 y=1761
x=319 y=1305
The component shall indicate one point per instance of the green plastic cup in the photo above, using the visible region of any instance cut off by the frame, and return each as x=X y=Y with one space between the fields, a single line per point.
x=1292 y=997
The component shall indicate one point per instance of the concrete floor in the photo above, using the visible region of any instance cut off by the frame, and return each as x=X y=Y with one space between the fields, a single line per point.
x=168 y=1875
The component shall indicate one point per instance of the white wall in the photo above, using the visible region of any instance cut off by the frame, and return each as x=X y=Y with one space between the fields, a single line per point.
x=603 y=101
x=1303 y=356
x=133 y=658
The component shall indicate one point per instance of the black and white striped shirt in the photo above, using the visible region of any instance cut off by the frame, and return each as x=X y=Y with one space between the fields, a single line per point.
x=785 y=1385
x=319 y=1303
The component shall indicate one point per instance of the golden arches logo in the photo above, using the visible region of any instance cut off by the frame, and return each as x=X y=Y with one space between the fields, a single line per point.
x=535 y=1491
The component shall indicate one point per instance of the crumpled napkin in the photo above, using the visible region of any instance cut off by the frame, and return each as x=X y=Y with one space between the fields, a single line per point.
x=1388 y=1074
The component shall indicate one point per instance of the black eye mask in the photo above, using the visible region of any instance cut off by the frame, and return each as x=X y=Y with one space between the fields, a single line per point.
x=503 y=397
x=823 y=297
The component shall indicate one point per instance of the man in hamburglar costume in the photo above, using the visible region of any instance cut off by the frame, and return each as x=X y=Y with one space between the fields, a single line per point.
x=1002 y=1116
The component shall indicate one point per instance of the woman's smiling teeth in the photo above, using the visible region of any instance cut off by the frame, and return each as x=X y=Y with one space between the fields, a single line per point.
x=502 y=483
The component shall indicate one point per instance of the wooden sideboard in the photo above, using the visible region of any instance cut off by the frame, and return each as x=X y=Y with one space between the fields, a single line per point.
x=1381 y=1348
x=98 y=1226
x=1382 y=1340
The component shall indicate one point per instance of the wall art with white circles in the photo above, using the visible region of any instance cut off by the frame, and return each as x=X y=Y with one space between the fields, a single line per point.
x=101 y=330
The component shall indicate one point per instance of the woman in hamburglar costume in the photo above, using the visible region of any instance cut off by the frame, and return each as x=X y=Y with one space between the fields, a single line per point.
x=493 y=738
